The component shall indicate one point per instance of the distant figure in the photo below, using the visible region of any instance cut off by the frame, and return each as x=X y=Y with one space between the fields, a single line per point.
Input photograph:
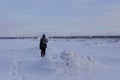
x=43 y=45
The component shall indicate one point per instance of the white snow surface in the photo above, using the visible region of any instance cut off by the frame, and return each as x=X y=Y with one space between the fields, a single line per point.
x=71 y=59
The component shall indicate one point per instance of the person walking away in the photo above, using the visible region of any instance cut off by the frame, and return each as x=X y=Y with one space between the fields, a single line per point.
x=43 y=45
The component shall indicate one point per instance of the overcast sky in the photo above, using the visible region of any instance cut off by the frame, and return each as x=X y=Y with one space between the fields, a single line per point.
x=63 y=17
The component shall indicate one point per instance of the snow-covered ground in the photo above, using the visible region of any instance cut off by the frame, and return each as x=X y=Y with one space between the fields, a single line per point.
x=78 y=59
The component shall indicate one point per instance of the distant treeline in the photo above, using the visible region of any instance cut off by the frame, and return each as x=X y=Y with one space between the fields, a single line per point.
x=78 y=37
x=64 y=37
x=18 y=37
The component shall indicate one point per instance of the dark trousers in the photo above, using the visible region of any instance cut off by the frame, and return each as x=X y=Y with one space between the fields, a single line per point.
x=43 y=51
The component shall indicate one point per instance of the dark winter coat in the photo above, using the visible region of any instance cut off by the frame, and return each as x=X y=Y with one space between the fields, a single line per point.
x=43 y=43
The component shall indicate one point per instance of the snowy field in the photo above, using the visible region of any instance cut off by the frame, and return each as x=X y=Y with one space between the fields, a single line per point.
x=86 y=59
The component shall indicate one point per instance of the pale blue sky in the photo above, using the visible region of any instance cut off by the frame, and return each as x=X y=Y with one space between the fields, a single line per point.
x=63 y=17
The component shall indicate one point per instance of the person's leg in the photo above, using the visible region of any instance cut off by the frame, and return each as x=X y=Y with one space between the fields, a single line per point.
x=42 y=52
